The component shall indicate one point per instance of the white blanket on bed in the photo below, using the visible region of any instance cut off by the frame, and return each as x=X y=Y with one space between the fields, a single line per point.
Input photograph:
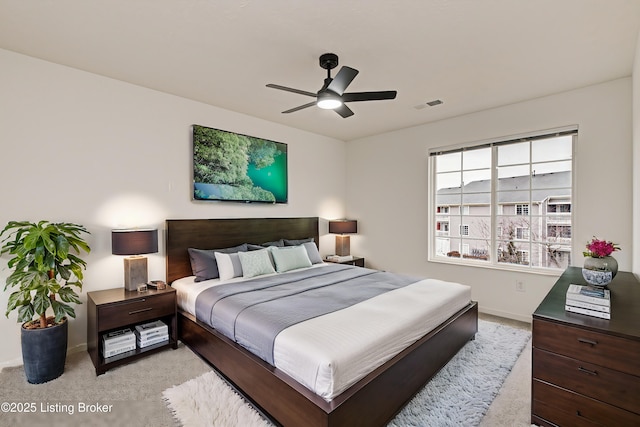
x=330 y=353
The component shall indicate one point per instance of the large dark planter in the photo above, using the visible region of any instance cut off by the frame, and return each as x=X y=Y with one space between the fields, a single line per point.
x=44 y=352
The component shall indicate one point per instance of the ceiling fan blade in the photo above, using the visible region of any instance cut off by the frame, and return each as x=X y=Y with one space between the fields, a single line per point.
x=311 y=104
x=368 y=96
x=344 y=111
x=289 y=89
x=344 y=77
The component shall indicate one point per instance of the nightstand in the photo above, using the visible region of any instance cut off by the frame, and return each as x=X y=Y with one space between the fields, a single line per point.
x=356 y=260
x=114 y=309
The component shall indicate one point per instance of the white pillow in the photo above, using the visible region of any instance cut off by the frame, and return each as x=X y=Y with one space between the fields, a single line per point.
x=290 y=258
x=229 y=265
x=256 y=263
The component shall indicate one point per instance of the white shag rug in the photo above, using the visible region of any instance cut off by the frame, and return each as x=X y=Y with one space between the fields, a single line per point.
x=459 y=394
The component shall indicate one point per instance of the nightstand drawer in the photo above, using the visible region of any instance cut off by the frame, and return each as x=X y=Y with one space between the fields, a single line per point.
x=595 y=381
x=135 y=310
x=605 y=350
x=565 y=408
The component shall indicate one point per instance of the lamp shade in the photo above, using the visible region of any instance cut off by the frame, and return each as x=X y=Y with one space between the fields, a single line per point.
x=134 y=242
x=343 y=226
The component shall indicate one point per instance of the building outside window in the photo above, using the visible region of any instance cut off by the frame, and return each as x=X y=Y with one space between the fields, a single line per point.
x=509 y=202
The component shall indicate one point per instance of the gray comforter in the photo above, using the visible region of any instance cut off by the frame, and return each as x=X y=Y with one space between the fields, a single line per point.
x=253 y=312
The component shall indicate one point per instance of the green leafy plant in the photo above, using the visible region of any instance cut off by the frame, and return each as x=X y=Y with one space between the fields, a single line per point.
x=45 y=269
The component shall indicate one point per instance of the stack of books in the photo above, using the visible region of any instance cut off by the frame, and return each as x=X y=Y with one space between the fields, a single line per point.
x=338 y=258
x=151 y=333
x=588 y=300
x=118 y=342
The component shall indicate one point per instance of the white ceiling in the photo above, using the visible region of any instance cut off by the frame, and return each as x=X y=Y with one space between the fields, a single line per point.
x=471 y=54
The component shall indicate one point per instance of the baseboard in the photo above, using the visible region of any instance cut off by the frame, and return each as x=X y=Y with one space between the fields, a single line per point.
x=11 y=363
x=77 y=348
x=18 y=361
x=507 y=315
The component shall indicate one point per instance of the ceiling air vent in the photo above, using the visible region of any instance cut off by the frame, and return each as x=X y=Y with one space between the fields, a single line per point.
x=428 y=104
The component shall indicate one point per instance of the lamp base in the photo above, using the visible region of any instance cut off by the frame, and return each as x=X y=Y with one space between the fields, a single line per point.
x=343 y=245
x=135 y=272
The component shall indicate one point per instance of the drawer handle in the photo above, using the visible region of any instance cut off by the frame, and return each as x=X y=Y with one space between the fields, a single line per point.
x=586 y=341
x=587 y=371
x=140 y=311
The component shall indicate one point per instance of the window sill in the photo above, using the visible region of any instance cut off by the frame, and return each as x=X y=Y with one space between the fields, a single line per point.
x=503 y=267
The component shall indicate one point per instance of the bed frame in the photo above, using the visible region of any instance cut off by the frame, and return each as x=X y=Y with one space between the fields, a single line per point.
x=372 y=401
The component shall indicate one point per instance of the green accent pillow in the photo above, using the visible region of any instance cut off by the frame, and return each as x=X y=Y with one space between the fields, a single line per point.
x=255 y=263
x=290 y=258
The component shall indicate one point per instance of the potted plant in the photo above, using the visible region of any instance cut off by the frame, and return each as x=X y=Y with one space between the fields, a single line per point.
x=45 y=271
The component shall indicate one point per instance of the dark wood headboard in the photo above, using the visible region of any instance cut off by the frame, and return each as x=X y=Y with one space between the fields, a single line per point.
x=182 y=234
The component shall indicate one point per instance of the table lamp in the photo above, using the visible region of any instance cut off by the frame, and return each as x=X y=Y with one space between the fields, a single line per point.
x=343 y=227
x=134 y=242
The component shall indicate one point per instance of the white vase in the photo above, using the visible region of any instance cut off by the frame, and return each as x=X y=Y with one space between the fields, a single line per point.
x=607 y=263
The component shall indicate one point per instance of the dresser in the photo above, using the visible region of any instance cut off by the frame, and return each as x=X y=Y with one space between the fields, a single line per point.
x=586 y=370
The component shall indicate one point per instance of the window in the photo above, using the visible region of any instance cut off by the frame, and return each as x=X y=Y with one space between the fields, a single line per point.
x=443 y=226
x=522 y=233
x=560 y=231
x=521 y=193
x=559 y=208
x=523 y=257
x=522 y=210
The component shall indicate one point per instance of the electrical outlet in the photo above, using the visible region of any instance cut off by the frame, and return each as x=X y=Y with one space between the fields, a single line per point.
x=520 y=286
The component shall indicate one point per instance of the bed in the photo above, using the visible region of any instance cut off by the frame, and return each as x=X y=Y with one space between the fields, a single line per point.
x=371 y=401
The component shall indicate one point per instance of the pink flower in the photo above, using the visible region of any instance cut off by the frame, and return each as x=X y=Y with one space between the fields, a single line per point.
x=600 y=248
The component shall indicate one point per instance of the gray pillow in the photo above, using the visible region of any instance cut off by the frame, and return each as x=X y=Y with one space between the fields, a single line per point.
x=297 y=242
x=278 y=243
x=203 y=261
x=312 y=252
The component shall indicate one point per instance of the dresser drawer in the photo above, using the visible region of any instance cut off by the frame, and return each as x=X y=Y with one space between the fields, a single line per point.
x=605 y=350
x=136 y=310
x=565 y=408
x=607 y=385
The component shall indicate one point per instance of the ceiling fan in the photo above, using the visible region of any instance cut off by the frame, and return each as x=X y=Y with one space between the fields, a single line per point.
x=332 y=96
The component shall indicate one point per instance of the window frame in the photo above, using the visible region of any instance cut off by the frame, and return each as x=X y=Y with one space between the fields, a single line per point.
x=496 y=208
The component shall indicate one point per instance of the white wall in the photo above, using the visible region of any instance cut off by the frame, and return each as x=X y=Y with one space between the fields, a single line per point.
x=636 y=160
x=387 y=191
x=82 y=148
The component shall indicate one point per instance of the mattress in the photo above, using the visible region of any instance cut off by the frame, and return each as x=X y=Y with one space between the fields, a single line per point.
x=329 y=353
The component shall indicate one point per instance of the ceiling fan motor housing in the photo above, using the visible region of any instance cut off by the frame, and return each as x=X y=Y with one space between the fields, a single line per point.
x=329 y=61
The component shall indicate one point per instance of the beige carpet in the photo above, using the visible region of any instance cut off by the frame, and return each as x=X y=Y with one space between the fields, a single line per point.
x=131 y=395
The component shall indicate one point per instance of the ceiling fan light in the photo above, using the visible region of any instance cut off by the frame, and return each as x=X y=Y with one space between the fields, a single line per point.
x=328 y=101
